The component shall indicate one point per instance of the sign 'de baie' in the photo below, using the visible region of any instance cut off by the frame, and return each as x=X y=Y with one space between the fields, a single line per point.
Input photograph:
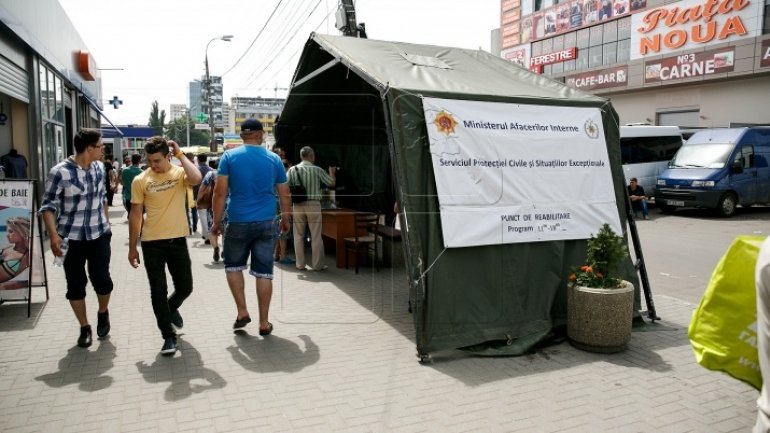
x=692 y=24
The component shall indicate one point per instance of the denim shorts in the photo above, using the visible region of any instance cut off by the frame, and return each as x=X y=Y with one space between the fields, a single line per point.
x=256 y=239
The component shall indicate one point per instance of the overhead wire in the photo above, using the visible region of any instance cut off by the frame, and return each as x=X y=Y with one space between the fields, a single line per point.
x=287 y=43
x=299 y=50
x=286 y=29
x=255 y=38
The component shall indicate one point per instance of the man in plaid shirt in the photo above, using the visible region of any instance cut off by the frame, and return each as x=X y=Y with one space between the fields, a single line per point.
x=75 y=207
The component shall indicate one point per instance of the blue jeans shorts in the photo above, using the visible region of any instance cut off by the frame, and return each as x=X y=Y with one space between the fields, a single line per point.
x=254 y=238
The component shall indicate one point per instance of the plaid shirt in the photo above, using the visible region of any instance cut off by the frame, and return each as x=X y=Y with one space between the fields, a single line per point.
x=77 y=197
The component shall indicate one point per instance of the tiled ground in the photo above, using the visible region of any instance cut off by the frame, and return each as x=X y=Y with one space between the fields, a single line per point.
x=342 y=358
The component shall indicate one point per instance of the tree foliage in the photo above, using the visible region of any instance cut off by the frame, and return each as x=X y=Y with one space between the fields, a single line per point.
x=157 y=119
x=177 y=130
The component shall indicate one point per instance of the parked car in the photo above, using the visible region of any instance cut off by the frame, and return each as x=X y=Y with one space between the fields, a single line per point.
x=718 y=169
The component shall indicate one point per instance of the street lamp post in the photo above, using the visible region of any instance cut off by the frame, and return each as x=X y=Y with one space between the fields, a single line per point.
x=187 y=124
x=212 y=143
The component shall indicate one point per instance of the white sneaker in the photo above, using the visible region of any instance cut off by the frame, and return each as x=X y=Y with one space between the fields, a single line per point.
x=169 y=346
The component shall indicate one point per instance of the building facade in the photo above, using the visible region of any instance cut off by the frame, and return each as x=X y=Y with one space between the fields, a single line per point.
x=689 y=63
x=195 y=94
x=177 y=111
x=266 y=110
x=49 y=84
x=216 y=100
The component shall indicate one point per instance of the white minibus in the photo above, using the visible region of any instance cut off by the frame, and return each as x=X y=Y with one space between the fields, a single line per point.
x=645 y=152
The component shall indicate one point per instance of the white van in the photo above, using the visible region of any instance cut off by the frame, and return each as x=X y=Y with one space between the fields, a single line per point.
x=645 y=152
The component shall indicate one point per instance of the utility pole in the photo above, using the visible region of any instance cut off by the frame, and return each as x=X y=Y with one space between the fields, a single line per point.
x=345 y=20
x=213 y=144
x=187 y=123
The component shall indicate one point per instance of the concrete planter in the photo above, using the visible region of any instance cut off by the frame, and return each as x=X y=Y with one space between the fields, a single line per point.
x=599 y=320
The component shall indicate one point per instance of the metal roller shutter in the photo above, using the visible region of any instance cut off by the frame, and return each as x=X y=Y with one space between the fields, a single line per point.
x=13 y=80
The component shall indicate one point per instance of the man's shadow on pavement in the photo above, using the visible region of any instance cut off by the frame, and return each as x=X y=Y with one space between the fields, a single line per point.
x=84 y=367
x=272 y=354
x=181 y=371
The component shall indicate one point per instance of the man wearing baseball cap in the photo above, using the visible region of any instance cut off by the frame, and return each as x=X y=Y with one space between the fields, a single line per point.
x=248 y=177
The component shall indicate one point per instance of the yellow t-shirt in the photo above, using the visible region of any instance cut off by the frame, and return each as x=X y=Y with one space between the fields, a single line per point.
x=162 y=195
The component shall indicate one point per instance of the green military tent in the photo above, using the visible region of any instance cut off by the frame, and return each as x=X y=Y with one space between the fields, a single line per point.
x=425 y=125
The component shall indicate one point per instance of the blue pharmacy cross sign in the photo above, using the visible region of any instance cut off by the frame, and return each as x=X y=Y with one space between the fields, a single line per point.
x=115 y=102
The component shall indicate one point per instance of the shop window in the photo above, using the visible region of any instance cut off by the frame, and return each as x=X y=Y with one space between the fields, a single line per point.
x=583 y=38
x=609 y=53
x=537 y=48
x=569 y=65
x=51 y=93
x=581 y=63
x=557 y=68
x=59 y=97
x=610 y=31
x=569 y=39
x=547 y=70
x=624 y=28
x=558 y=43
x=43 y=91
x=547 y=46
x=597 y=35
x=595 y=56
x=624 y=51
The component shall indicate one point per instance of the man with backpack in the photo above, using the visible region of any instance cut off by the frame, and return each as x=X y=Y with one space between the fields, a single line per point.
x=202 y=214
x=204 y=205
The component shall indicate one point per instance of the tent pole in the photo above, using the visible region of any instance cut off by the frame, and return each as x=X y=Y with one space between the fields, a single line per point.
x=639 y=265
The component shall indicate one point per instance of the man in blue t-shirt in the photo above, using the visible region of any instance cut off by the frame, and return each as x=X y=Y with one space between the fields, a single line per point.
x=248 y=177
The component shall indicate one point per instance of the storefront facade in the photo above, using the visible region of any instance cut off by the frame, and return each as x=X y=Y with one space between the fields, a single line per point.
x=49 y=84
x=691 y=63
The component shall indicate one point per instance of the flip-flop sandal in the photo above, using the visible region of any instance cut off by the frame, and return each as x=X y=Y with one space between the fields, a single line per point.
x=267 y=331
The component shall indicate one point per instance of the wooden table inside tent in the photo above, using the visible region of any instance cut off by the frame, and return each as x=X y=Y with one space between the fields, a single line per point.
x=339 y=224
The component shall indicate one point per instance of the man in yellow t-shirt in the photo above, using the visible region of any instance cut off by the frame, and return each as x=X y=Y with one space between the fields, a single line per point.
x=161 y=192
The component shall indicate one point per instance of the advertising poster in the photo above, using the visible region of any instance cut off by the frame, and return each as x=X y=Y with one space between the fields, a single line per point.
x=620 y=7
x=18 y=250
x=526 y=30
x=518 y=55
x=511 y=173
x=638 y=4
x=562 y=18
x=550 y=22
x=576 y=14
x=690 y=65
x=591 y=11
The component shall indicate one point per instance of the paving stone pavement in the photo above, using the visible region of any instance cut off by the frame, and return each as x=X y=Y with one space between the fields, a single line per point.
x=342 y=358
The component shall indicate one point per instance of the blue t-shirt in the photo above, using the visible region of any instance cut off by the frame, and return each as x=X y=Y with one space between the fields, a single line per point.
x=252 y=173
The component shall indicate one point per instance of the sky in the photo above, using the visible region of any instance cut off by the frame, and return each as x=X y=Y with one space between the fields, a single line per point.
x=150 y=50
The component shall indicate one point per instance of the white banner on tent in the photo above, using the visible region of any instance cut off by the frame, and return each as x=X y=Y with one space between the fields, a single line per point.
x=509 y=173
